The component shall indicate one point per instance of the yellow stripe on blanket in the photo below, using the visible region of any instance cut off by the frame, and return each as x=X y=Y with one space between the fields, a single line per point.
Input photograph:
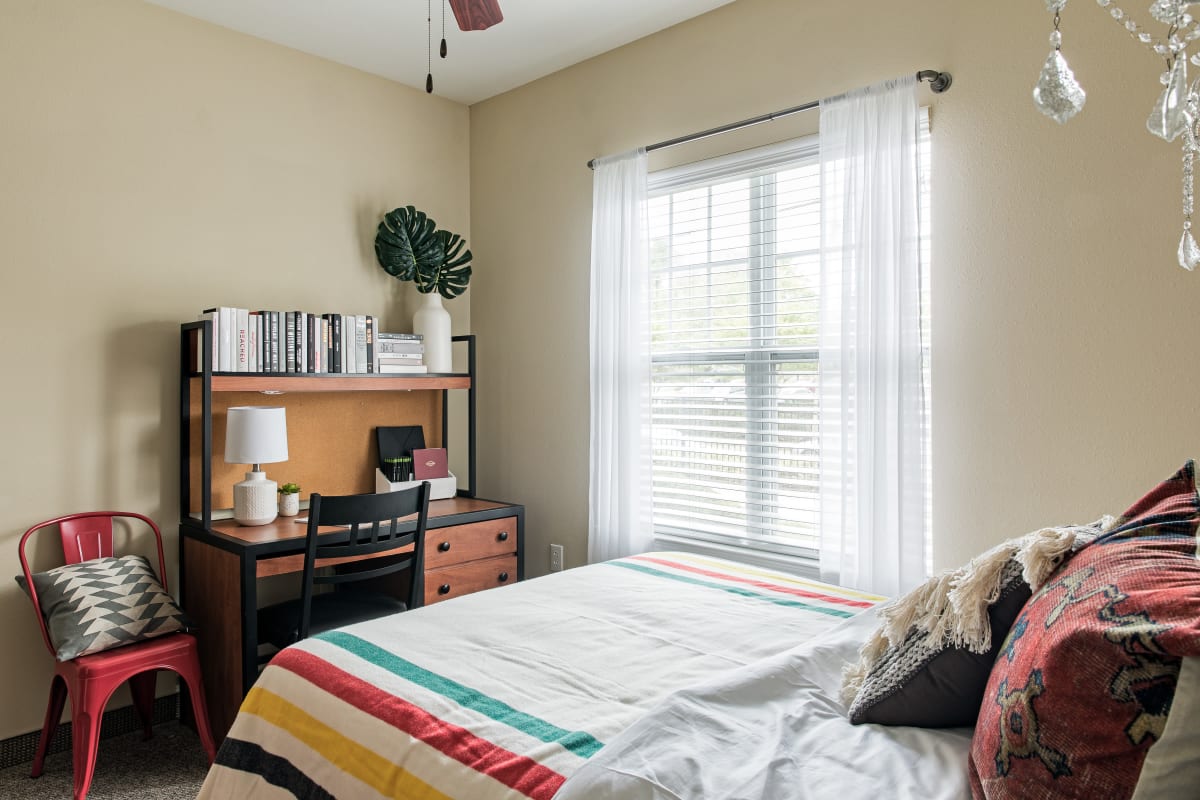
x=742 y=569
x=343 y=752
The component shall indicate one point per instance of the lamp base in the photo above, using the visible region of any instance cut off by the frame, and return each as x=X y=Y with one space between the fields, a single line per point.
x=254 y=500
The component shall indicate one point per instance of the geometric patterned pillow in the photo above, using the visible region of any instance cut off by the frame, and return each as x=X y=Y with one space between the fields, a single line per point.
x=103 y=603
x=1084 y=684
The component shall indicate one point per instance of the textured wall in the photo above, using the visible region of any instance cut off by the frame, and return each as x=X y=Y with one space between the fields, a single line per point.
x=150 y=166
x=1063 y=331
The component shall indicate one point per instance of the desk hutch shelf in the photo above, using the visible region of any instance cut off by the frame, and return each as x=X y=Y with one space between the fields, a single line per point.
x=472 y=543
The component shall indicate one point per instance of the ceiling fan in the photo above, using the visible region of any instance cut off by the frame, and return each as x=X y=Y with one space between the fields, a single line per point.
x=476 y=15
x=472 y=15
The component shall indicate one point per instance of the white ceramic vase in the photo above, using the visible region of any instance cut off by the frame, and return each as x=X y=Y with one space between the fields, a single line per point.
x=432 y=321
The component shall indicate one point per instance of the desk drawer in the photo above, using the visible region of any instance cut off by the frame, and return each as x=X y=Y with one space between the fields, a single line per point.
x=445 y=547
x=447 y=582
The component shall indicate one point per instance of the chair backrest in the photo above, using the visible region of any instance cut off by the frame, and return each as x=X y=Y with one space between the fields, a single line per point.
x=84 y=537
x=375 y=527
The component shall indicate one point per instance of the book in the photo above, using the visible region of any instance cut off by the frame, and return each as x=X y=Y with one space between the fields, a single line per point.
x=360 y=344
x=309 y=366
x=406 y=337
x=264 y=341
x=252 y=341
x=402 y=369
x=301 y=342
x=335 y=338
x=400 y=358
x=213 y=315
x=390 y=346
x=259 y=320
x=289 y=341
x=371 y=323
x=277 y=351
x=226 y=337
x=242 y=343
x=325 y=352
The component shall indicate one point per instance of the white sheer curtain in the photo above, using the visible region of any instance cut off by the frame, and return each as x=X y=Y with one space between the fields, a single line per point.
x=872 y=400
x=620 y=515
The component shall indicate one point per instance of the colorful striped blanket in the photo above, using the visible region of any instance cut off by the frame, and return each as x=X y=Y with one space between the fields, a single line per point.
x=505 y=693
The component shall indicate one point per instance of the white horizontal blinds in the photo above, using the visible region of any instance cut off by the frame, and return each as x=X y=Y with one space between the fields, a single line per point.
x=734 y=258
x=734 y=261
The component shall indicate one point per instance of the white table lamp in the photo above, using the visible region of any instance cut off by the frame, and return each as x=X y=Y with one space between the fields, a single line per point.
x=255 y=435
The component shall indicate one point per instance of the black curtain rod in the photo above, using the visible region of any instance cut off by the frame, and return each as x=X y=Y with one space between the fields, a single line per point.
x=938 y=82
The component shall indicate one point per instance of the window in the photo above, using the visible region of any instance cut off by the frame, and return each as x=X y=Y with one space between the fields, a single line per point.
x=734 y=263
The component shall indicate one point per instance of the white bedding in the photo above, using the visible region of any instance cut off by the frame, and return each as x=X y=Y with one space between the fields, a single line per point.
x=774 y=730
x=502 y=694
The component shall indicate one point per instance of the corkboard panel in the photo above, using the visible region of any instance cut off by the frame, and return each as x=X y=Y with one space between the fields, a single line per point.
x=331 y=438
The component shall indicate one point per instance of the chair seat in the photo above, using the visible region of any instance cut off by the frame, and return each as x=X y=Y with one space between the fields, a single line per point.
x=279 y=624
x=142 y=654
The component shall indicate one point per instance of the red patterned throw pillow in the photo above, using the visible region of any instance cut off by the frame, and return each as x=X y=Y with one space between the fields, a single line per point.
x=1084 y=683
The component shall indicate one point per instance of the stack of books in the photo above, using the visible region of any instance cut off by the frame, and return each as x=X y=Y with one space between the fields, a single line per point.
x=297 y=342
x=400 y=354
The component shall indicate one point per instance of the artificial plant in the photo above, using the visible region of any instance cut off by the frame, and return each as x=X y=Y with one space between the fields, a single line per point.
x=410 y=247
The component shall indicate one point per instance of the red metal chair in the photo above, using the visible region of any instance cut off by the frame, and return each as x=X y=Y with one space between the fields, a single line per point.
x=91 y=679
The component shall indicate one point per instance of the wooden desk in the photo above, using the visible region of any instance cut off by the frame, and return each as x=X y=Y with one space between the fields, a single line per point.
x=471 y=545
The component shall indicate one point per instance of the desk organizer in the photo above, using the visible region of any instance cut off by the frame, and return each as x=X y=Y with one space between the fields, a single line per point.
x=439 y=488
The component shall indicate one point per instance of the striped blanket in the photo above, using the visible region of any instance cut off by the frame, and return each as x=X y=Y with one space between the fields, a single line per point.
x=505 y=693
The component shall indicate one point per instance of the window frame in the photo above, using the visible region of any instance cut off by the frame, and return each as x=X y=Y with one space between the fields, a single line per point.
x=757 y=164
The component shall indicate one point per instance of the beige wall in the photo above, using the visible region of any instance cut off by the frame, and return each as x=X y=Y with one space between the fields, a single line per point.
x=152 y=165
x=1064 y=367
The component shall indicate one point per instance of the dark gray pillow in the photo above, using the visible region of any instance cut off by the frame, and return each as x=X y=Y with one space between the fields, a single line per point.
x=936 y=685
x=103 y=603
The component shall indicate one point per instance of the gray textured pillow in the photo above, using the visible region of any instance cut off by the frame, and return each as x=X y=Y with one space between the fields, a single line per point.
x=103 y=603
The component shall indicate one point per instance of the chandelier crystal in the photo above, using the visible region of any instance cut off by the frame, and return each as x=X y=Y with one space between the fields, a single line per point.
x=1176 y=113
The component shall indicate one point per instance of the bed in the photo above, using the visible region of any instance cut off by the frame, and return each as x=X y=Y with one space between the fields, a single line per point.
x=661 y=675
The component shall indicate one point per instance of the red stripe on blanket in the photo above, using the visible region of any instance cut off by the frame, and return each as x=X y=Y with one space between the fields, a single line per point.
x=517 y=772
x=774 y=587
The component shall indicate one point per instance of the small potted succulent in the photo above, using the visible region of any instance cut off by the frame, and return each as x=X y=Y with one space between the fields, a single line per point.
x=289 y=499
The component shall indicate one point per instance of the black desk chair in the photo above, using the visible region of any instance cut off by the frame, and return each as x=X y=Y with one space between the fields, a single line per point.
x=372 y=521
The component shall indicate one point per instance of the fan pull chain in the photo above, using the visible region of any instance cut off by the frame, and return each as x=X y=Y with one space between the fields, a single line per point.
x=429 y=46
x=443 y=28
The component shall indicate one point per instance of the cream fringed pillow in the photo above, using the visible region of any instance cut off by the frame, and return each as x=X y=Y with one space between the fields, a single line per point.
x=929 y=662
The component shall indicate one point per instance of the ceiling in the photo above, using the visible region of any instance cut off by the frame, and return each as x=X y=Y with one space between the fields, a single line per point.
x=388 y=37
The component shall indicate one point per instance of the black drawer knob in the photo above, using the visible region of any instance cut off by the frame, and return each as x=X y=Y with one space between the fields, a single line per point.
x=502 y=536
x=503 y=577
x=444 y=547
x=444 y=589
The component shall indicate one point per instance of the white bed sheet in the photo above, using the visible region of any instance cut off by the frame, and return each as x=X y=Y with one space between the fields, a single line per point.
x=774 y=730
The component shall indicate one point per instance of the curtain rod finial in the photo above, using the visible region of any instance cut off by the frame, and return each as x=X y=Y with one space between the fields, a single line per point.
x=938 y=81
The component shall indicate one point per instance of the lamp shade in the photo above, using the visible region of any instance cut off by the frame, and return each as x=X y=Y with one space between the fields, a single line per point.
x=256 y=435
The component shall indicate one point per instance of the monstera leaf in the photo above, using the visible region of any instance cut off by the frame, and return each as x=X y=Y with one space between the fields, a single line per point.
x=406 y=241
x=449 y=273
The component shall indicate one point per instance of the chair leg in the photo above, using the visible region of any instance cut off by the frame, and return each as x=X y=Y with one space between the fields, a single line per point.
x=142 y=687
x=54 y=708
x=85 y=739
x=200 y=711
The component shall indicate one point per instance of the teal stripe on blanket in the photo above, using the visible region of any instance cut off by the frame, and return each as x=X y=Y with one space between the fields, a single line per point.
x=580 y=743
x=779 y=601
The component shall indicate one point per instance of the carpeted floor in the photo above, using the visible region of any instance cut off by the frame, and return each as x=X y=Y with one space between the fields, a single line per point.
x=171 y=766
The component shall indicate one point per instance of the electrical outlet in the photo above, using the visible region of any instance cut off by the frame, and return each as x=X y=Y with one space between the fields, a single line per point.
x=556 y=558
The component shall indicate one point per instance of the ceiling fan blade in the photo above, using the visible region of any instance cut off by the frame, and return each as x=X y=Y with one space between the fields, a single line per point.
x=476 y=15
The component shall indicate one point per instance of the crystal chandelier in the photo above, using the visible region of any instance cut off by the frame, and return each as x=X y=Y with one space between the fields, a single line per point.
x=1175 y=115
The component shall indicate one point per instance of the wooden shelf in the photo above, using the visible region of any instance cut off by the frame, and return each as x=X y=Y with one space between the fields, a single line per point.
x=227 y=382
